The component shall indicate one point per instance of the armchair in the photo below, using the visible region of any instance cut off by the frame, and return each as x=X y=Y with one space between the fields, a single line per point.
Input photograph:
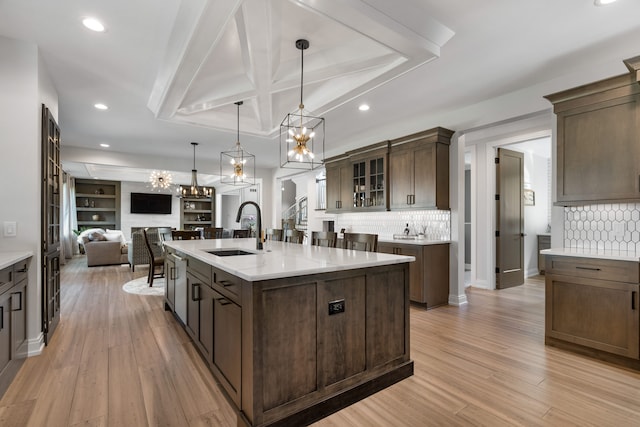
x=104 y=252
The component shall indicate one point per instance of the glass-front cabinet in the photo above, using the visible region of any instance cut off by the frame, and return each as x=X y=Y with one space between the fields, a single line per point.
x=358 y=180
x=369 y=183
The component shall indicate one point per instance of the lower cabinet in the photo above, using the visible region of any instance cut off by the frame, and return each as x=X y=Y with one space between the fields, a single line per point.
x=13 y=321
x=227 y=333
x=428 y=274
x=593 y=303
x=544 y=242
x=5 y=330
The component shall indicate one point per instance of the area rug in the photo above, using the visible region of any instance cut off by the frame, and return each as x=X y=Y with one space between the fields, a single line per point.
x=141 y=287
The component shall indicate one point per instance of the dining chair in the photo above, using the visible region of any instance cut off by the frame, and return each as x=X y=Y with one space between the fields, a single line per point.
x=151 y=237
x=185 y=234
x=240 y=234
x=360 y=242
x=324 y=238
x=213 y=232
x=293 y=236
x=275 y=234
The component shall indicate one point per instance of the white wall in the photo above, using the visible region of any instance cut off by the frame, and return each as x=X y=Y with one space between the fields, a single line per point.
x=24 y=85
x=128 y=220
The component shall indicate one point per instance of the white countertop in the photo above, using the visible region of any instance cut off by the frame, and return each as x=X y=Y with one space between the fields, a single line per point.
x=9 y=258
x=280 y=259
x=594 y=253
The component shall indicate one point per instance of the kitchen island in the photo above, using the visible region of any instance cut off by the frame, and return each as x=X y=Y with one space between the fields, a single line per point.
x=293 y=332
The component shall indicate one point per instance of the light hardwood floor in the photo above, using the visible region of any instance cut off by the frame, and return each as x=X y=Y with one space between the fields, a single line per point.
x=120 y=360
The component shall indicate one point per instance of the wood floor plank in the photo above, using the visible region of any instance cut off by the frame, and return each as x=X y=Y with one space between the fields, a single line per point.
x=53 y=405
x=16 y=414
x=126 y=402
x=160 y=401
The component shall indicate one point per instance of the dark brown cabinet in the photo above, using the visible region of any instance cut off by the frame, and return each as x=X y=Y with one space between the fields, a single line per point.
x=593 y=303
x=358 y=180
x=13 y=320
x=5 y=330
x=339 y=194
x=419 y=170
x=369 y=180
x=598 y=128
x=227 y=333
x=428 y=274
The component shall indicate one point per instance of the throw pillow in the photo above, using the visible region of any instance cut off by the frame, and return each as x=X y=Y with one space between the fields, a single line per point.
x=96 y=237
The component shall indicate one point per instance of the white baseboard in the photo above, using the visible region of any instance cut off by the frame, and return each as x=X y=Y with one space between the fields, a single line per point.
x=458 y=300
x=35 y=345
x=482 y=284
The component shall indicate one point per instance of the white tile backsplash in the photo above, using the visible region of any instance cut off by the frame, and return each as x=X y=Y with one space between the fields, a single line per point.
x=435 y=223
x=613 y=226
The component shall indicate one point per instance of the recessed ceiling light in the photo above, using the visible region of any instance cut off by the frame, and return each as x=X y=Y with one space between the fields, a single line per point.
x=104 y=145
x=363 y=107
x=101 y=106
x=93 y=24
x=603 y=2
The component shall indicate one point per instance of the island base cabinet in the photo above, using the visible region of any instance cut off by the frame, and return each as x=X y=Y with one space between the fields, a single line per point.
x=593 y=313
x=312 y=345
x=226 y=357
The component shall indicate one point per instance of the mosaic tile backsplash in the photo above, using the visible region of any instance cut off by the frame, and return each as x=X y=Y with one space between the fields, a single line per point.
x=607 y=226
x=434 y=223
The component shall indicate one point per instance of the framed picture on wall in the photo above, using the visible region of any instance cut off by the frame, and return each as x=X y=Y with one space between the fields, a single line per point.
x=529 y=197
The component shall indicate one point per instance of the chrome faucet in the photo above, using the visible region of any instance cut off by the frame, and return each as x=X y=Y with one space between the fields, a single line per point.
x=259 y=224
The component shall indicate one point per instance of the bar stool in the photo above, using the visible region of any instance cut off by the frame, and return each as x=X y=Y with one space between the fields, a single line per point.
x=360 y=242
x=324 y=238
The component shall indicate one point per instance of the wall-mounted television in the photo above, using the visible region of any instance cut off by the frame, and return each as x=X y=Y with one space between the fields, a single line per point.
x=150 y=203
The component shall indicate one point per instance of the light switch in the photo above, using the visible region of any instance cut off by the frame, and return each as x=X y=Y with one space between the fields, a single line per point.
x=10 y=229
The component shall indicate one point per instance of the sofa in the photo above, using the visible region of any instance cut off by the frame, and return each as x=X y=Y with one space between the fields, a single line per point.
x=104 y=247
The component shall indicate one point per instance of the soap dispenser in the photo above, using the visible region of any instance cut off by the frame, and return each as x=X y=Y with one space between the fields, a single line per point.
x=406 y=230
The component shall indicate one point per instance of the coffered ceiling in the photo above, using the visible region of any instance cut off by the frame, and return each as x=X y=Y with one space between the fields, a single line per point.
x=170 y=70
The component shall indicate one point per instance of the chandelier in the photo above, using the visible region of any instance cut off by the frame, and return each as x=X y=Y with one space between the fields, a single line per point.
x=237 y=166
x=301 y=134
x=194 y=191
x=160 y=180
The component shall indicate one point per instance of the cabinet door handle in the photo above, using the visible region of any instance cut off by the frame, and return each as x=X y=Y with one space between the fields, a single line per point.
x=226 y=283
x=23 y=270
x=587 y=268
x=172 y=273
x=223 y=301
x=19 y=295
x=1 y=318
x=633 y=300
x=408 y=199
x=195 y=289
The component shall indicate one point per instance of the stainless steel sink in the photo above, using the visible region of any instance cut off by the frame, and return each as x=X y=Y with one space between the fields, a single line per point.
x=230 y=252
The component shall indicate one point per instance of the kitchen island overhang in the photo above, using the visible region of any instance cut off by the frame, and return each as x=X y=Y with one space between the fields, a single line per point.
x=319 y=328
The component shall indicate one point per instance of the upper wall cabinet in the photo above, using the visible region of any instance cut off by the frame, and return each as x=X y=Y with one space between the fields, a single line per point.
x=339 y=176
x=419 y=170
x=358 y=180
x=598 y=145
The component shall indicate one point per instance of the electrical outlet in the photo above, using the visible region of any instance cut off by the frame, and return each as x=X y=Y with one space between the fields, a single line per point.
x=10 y=229
x=336 y=307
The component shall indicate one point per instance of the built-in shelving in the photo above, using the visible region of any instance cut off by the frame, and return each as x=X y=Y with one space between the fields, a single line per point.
x=98 y=204
x=197 y=212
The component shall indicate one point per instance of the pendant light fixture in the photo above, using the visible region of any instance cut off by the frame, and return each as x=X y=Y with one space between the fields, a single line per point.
x=237 y=166
x=301 y=135
x=160 y=180
x=194 y=191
